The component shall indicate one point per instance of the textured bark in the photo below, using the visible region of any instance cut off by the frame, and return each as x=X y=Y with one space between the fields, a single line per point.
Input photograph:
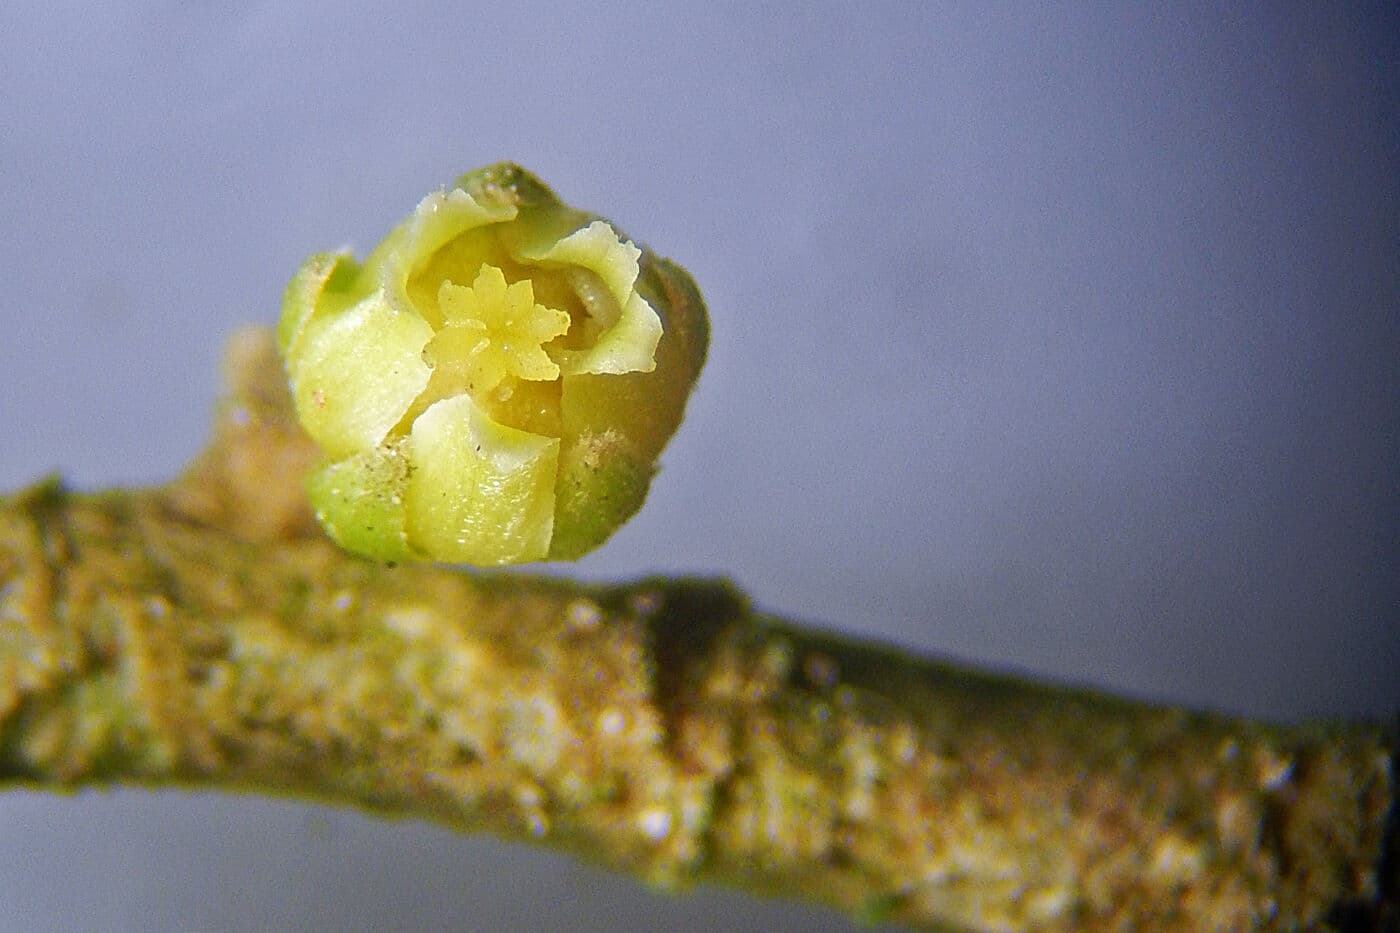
x=206 y=634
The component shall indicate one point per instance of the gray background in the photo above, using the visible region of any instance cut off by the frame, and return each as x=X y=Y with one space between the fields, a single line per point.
x=1058 y=339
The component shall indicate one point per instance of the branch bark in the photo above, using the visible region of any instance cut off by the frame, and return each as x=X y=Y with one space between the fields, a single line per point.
x=205 y=633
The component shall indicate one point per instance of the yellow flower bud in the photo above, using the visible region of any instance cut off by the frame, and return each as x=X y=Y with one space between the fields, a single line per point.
x=495 y=382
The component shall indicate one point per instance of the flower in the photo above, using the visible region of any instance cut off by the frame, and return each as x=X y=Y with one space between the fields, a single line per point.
x=495 y=382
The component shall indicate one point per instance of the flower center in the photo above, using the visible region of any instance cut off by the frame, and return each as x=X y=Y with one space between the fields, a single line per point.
x=492 y=331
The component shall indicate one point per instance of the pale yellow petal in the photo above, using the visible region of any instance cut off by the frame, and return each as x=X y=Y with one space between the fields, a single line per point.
x=356 y=372
x=479 y=492
x=624 y=330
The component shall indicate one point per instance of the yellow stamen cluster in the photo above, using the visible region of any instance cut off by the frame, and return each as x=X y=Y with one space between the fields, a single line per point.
x=493 y=331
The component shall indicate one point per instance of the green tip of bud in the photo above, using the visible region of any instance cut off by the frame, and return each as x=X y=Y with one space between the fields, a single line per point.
x=495 y=383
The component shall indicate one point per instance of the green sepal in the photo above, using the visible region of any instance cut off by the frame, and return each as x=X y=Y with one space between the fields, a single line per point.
x=615 y=426
x=602 y=483
x=360 y=502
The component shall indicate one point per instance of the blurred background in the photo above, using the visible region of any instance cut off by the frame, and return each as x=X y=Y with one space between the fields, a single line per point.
x=1063 y=340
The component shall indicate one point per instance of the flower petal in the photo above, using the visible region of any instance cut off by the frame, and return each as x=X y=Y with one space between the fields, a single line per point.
x=306 y=293
x=440 y=218
x=356 y=372
x=626 y=343
x=479 y=492
x=598 y=247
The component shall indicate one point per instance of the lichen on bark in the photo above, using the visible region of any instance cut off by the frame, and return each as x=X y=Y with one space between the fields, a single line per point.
x=206 y=633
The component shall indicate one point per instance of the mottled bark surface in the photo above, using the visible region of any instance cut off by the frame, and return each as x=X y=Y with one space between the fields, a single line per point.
x=206 y=634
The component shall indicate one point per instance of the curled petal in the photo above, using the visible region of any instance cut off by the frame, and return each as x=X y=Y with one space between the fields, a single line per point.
x=604 y=272
x=440 y=221
x=320 y=280
x=357 y=371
